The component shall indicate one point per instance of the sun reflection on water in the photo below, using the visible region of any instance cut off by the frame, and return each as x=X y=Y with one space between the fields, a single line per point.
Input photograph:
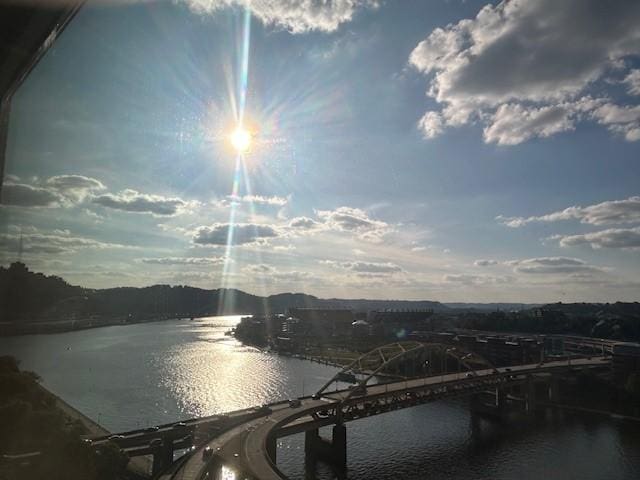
x=227 y=474
x=216 y=374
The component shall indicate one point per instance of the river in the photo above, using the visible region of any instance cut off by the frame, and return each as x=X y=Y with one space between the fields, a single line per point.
x=126 y=377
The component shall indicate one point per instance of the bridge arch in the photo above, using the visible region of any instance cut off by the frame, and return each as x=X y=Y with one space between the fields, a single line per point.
x=374 y=362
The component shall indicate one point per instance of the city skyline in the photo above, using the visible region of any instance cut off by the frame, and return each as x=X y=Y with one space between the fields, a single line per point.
x=476 y=155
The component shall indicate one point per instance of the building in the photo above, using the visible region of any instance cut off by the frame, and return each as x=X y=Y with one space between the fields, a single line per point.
x=399 y=323
x=626 y=359
x=320 y=322
x=360 y=328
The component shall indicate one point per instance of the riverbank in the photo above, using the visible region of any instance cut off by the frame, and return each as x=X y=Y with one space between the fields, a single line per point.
x=324 y=355
x=11 y=329
x=92 y=428
x=139 y=466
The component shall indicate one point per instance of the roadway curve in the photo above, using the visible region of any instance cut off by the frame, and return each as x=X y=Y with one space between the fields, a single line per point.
x=244 y=448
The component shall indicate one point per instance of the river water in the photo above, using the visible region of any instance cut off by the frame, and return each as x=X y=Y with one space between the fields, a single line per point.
x=132 y=376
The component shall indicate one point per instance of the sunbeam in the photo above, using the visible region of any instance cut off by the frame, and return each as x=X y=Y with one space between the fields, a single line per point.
x=241 y=141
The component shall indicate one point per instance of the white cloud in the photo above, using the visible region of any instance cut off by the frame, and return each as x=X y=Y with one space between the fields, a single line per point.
x=355 y=220
x=513 y=124
x=259 y=200
x=519 y=64
x=366 y=267
x=269 y=274
x=260 y=269
x=52 y=242
x=624 y=120
x=72 y=190
x=485 y=263
x=60 y=190
x=553 y=265
x=296 y=16
x=242 y=233
x=24 y=195
x=466 y=279
x=133 y=201
x=623 y=238
x=284 y=248
x=183 y=260
x=304 y=223
x=605 y=213
x=633 y=82
x=431 y=124
x=75 y=187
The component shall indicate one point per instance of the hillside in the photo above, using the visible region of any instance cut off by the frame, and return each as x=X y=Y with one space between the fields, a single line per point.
x=28 y=296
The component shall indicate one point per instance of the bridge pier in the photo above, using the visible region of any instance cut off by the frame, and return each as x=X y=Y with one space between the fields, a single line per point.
x=162 y=457
x=530 y=395
x=554 y=388
x=501 y=399
x=333 y=452
x=492 y=403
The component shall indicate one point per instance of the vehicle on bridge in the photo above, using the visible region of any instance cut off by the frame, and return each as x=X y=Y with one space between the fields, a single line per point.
x=249 y=448
x=358 y=390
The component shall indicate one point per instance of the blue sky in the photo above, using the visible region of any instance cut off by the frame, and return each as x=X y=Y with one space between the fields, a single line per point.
x=448 y=150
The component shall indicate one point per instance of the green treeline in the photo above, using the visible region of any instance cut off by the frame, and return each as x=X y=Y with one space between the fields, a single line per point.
x=27 y=297
x=619 y=321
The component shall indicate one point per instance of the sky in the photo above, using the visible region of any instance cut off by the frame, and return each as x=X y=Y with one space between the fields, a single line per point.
x=446 y=150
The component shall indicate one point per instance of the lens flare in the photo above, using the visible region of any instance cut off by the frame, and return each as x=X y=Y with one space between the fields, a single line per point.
x=240 y=140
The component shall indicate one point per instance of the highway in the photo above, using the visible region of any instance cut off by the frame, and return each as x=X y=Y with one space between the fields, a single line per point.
x=245 y=448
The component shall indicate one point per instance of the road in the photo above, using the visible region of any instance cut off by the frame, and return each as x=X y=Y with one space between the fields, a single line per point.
x=244 y=448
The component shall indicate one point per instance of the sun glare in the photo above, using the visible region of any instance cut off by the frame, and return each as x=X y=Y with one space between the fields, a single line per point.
x=241 y=140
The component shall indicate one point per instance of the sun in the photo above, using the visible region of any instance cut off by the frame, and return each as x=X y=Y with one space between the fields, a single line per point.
x=240 y=140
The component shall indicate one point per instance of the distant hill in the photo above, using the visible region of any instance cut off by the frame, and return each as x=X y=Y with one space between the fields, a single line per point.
x=492 y=307
x=25 y=294
x=603 y=310
x=28 y=296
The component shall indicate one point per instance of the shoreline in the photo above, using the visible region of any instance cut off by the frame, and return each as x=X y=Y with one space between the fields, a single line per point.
x=93 y=428
x=139 y=466
x=12 y=329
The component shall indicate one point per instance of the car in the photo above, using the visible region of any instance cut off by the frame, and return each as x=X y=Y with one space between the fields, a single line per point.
x=179 y=426
x=507 y=369
x=323 y=414
x=358 y=390
x=87 y=441
x=469 y=375
x=294 y=403
x=116 y=437
x=151 y=429
x=316 y=396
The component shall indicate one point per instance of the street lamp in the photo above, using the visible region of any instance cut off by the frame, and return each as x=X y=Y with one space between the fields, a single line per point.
x=427 y=369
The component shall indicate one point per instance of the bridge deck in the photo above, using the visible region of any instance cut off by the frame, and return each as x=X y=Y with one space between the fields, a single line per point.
x=244 y=448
